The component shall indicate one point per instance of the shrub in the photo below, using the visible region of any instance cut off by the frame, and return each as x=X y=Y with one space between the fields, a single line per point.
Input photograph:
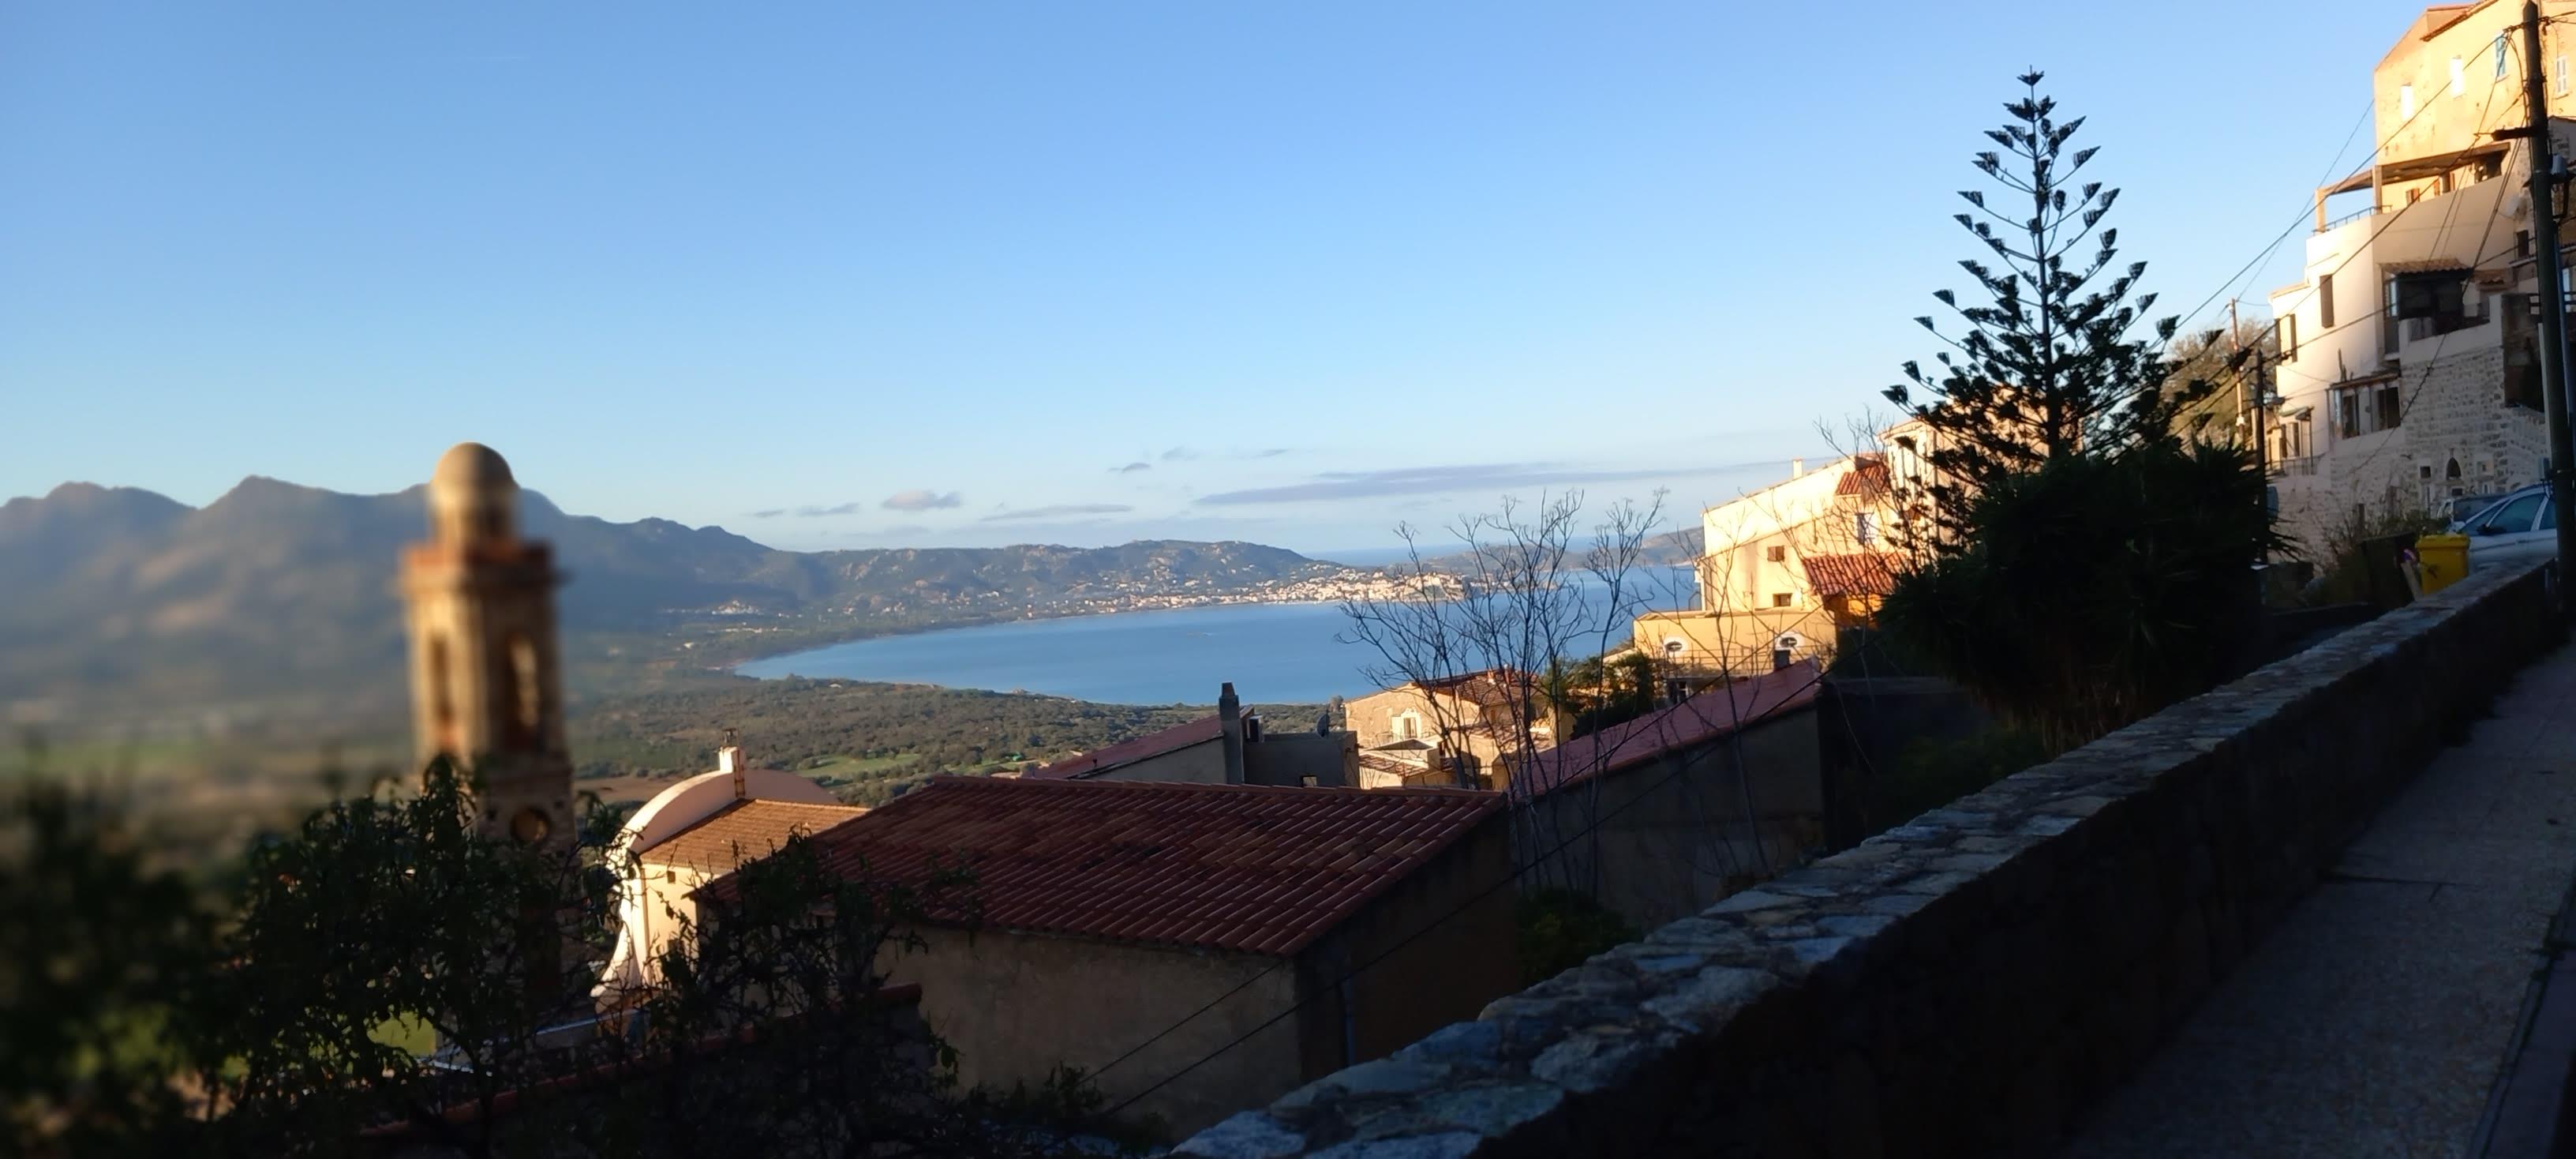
x=1559 y=928
x=2094 y=590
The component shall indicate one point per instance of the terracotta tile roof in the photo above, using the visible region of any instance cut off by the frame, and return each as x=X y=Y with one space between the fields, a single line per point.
x=1864 y=573
x=745 y=830
x=1254 y=868
x=1491 y=687
x=1702 y=718
x=1132 y=750
x=1386 y=764
x=1868 y=476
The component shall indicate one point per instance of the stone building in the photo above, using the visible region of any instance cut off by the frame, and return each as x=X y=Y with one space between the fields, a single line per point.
x=2408 y=369
x=1198 y=948
x=1230 y=747
x=689 y=834
x=1784 y=568
x=487 y=685
x=1665 y=815
x=1419 y=731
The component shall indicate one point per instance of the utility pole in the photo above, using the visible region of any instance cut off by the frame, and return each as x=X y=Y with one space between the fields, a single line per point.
x=2262 y=398
x=2553 y=299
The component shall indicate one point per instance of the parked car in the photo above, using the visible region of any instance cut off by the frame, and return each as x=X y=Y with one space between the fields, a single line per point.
x=2463 y=508
x=2520 y=527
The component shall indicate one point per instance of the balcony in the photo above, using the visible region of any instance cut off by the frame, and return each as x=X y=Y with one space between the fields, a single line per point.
x=2303 y=465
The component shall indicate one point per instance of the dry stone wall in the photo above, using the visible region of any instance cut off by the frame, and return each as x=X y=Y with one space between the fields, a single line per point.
x=1965 y=983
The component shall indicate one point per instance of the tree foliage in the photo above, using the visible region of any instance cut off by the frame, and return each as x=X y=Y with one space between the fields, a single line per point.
x=146 y=1027
x=2094 y=590
x=2051 y=365
x=95 y=944
x=2087 y=566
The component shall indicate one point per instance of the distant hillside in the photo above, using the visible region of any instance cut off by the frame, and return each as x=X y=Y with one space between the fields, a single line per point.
x=123 y=600
x=1676 y=548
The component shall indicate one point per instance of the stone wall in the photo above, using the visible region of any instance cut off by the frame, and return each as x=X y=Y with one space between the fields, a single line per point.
x=2455 y=412
x=1965 y=983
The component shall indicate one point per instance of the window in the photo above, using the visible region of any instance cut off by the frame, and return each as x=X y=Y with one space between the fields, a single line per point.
x=2521 y=354
x=442 y=696
x=2389 y=326
x=1865 y=528
x=1776 y=554
x=1408 y=726
x=523 y=657
x=2499 y=57
x=2558 y=70
x=1782 y=599
x=2325 y=302
x=2289 y=338
x=2406 y=101
x=2367 y=407
x=2459 y=79
x=2517 y=515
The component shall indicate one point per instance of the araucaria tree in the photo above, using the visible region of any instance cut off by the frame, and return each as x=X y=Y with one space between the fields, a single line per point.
x=2084 y=567
x=2052 y=365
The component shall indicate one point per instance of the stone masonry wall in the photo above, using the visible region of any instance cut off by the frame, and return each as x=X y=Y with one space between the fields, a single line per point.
x=1965 y=983
x=2454 y=411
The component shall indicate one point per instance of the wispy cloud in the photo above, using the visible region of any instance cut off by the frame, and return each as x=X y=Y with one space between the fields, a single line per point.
x=1347 y=485
x=771 y=513
x=1132 y=468
x=835 y=509
x=919 y=499
x=1179 y=455
x=1058 y=511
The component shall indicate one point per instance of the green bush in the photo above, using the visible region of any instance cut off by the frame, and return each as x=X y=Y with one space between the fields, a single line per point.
x=1933 y=773
x=1559 y=928
x=2095 y=589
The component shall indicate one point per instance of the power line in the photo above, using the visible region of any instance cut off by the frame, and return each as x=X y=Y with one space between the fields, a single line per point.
x=2247 y=270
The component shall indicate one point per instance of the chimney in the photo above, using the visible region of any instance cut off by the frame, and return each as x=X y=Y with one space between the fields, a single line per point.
x=729 y=761
x=1797 y=468
x=1229 y=719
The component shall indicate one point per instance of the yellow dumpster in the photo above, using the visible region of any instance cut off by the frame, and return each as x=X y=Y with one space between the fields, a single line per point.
x=2440 y=560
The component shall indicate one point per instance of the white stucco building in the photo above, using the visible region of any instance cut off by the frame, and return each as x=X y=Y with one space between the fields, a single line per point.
x=2408 y=373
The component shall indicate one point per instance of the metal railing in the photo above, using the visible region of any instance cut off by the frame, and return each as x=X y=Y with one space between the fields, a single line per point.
x=2347 y=219
x=2303 y=465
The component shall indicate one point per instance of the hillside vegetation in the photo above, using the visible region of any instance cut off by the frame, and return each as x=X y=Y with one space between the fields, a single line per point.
x=280 y=600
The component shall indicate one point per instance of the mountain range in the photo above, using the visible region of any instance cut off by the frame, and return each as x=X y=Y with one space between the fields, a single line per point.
x=115 y=600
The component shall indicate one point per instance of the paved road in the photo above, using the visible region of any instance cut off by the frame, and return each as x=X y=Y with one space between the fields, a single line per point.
x=2375 y=1019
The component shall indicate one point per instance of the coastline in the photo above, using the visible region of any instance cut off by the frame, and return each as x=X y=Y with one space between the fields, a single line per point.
x=1031 y=615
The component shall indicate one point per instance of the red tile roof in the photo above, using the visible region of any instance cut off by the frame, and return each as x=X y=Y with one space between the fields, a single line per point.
x=1254 y=868
x=1703 y=718
x=1132 y=750
x=1868 y=476
x=1864 y=573
x=744 y=830
x=1490 y=687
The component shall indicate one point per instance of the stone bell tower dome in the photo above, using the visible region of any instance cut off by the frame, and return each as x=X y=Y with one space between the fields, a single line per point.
x=486 y=677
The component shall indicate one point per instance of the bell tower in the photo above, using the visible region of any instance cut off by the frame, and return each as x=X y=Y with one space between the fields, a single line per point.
x=487 y=686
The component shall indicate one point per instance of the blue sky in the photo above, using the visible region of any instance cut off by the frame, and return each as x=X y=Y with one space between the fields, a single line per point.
x=866 y=274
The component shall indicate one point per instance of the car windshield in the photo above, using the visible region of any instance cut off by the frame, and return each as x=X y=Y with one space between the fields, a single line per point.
x=2514 y=515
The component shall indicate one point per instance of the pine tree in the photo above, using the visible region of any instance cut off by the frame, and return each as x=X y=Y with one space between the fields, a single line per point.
x=2051 y=367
